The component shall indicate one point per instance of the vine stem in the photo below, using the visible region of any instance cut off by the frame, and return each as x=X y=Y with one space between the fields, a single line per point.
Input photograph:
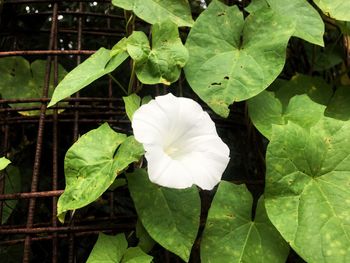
x=118 y=83
x=132 y=78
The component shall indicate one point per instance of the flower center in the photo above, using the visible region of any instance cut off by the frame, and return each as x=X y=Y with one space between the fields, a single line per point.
x=172 y=151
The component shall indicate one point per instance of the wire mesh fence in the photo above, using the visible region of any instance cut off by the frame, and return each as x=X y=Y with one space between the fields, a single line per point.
x=65 y=33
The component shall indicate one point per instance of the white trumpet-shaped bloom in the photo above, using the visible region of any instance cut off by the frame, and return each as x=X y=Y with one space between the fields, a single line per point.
x=181 y=143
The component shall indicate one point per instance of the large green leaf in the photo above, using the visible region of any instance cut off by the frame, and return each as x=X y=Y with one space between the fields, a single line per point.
x=338 y=9
x=108 y=249
x=155 y=11
x=307 y=188
x=4 y=162
x=230 y=234
x=91 y=166
x=22 y=80
x=101 y=63
x=170 y=216
x=162 y=63
x=136 y=255
x=232 y=59
x=277 y=107
x=308 y=23
x=12 y=185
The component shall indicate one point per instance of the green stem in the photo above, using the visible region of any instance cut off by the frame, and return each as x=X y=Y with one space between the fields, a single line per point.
x=132 y=79
x=118 y=83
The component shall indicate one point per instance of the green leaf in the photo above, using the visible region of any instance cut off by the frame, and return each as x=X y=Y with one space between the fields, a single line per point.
x=307 y=193
x=146 y=99
x=136 y=255
x=22 y=80
x=146 y=242
x=279 y=107
x=132 y=103
x=307 y=21
x=97 y=65
x=162 y=63
x=4 y=162
x=91 y=166
x=170 y=216
x=324 y=58
x=255 y=5
x=339 y=106
x=119 y=48
x=232 y=59
x=338 y=9
x=108 y=249
x=230 y=234
x=119 y=182
x=12 y=185
x=155 y=11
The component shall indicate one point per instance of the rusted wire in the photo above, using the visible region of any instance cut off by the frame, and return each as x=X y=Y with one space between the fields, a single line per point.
x=66 y=229
x=45 y=52
x=31 y=195
x=35 y=177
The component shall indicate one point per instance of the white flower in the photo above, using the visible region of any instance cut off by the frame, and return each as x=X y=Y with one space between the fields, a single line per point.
x=181 y=143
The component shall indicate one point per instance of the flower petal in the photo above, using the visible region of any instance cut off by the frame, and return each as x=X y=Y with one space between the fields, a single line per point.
x=165 y=171
x=149 y=123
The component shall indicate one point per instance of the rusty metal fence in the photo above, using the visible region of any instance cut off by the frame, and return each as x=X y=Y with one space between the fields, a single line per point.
x=67 y=32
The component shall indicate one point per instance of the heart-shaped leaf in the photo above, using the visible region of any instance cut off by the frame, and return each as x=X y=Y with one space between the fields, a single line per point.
x=230 y=234
x=170 y=216
x=308 y=23
x=22 y=80
x=307 y=188
x=91 y=166
x=155 y=11
x=277 y=107
x=232 y=59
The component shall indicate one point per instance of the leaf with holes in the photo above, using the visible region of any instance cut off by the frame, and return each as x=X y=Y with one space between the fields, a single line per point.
x=155 y=11
x=22 y=80
x=307 y=195
x=101 y=63
x=162 y=63
x=230 y=234
x=91 y=166
x=108 y=249
x=292 y=101
x=338 y=9
x=170 y=216
x=232 y=59
x=308 y=23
